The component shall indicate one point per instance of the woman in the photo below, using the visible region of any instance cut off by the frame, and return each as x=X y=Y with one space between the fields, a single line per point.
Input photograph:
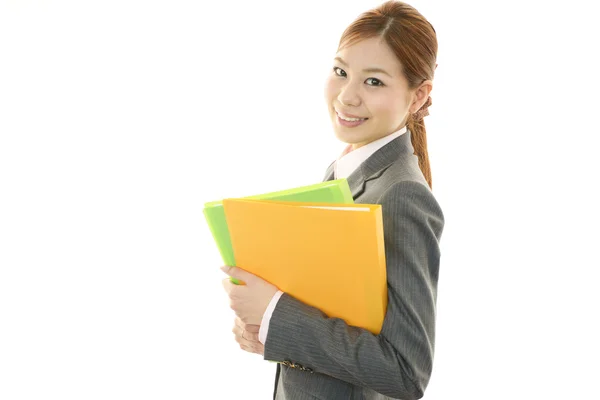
x=377 y=95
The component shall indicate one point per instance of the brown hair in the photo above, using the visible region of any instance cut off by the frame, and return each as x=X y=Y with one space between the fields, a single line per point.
x=412 y=38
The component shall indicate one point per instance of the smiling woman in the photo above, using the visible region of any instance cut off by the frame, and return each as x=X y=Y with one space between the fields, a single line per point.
x=377 y=94
x=370 y=87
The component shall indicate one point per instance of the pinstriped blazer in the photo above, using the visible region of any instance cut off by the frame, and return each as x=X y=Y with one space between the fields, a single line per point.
x=324 y=358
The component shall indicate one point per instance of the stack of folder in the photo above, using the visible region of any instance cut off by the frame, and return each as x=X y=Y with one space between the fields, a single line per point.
x=313 y=243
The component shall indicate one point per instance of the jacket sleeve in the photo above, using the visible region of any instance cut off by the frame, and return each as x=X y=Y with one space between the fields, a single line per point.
x=398 y=361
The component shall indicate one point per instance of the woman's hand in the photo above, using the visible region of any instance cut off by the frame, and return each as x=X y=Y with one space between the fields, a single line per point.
x=247 y=337
x=249 y=301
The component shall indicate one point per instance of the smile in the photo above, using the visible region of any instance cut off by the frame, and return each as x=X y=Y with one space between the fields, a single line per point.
x=350 y=119
x=350 y=122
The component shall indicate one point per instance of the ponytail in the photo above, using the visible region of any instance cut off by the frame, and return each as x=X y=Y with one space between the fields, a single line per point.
x=419 y=141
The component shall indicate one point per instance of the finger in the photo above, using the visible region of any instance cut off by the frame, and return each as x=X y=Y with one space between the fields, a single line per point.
x=259 y=349
x=238 y=273
x=231 y=287
x=237 y=330
x=239 y=322
x=244 y=335
x=252 y=328
x=240 y=339
x=253 y=349
x=251 y=336
x=247 y=327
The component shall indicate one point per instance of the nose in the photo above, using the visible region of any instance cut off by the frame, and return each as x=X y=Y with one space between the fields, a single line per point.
x=349 y=95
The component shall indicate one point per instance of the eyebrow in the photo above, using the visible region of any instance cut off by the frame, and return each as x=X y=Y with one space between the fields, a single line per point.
x=366 y=69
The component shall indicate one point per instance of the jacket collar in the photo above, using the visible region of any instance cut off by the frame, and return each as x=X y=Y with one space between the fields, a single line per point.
x=376 y=164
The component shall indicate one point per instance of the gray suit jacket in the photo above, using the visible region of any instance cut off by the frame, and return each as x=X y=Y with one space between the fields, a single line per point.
x=325 y=358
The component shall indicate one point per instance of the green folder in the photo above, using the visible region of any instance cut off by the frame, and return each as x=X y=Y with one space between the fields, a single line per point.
x=334 y=191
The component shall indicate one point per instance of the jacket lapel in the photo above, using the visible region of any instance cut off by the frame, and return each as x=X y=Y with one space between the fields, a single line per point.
x=376 y=164
x=329 y=173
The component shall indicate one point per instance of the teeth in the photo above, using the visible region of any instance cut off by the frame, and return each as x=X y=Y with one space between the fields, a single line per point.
x=351 y=119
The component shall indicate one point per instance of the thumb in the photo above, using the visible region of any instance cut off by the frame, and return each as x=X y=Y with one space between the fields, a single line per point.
x=237 y=273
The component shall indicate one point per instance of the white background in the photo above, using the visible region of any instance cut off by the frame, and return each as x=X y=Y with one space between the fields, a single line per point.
x=120 y=119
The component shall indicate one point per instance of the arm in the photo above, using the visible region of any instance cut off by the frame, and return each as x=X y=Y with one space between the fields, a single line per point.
x=398 y=361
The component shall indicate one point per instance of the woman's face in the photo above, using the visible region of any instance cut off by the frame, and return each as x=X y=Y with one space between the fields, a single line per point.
x=366 y=82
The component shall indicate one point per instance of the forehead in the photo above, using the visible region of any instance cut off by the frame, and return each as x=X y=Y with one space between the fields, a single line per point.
x=372 y=52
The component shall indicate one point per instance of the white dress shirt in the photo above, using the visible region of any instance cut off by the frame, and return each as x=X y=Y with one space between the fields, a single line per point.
x=344 y=166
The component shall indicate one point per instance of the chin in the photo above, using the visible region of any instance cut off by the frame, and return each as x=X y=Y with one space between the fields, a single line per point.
x=349 y=138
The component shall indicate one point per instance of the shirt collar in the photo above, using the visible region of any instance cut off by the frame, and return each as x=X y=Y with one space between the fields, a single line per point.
x=350 y=159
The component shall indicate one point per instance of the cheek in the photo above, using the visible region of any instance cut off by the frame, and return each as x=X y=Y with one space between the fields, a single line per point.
x=386 y=108
x=330 y=90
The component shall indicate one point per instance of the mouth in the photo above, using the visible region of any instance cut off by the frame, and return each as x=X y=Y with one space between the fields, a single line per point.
x=350 y=122
x=348 y=118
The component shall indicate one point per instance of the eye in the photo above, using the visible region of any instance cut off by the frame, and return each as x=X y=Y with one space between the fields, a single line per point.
x=336 y=68
x=379 y=83
x=342 y=73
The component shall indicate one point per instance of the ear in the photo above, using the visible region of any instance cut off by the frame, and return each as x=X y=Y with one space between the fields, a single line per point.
x=420 y=96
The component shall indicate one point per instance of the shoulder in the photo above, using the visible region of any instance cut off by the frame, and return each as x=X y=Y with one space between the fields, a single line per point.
x=410 y=195
x=405 y=195
x=404 y=168
x=404 y=176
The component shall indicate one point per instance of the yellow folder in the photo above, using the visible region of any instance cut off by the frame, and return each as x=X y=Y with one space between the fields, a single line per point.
x=329 y=256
